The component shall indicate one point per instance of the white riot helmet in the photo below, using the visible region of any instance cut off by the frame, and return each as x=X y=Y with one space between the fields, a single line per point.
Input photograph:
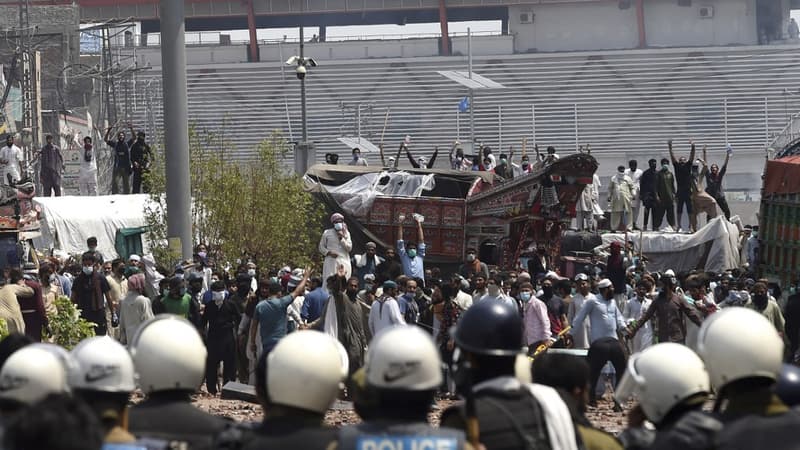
x=168 y=354
x=31 y=374
x=662 y=376
x=738 y=343
x=102 y=365
x=305 y=371
x=403 y=358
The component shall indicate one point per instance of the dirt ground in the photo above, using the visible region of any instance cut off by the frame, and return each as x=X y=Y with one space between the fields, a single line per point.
x=602 y=417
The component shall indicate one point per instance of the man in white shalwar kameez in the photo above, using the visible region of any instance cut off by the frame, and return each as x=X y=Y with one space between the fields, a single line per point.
x=587 y=206
x=336 y=246
x=620 y=195
x=635 y=174
x=634 y=310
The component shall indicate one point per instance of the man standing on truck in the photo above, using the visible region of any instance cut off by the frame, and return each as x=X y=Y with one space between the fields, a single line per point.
x=665 y=196
x=122 y=163
x=10 y=158
x=714 y=181
x=140 y=160
x=683 y=179
x=52 y=166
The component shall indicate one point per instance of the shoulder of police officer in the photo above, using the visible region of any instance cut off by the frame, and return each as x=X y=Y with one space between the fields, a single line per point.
x=399 y=436
x=594 y=439
x=696 y=430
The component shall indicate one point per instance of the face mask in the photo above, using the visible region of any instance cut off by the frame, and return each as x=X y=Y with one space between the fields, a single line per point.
x=88 y=270
x=470 y=257
x=337 y=226
x=368 y=287
x=218 y=297
x=355 y=156
x=201 y=254
x=760 y=300
x=183 y=292
x=493 y=289
x=573 y=292
x=524 y=166
x=525 y=296
x=92 y=248
x=620 y=172
x=251 y=272
x=754 y=234
x=665 y=167
x=412 y=253
x=792 y=290
x=52 y=278
x=547 y=291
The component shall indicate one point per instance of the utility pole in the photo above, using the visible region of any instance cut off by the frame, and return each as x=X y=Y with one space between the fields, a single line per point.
x=176 y=127
x=471 y=96
x=304 y=154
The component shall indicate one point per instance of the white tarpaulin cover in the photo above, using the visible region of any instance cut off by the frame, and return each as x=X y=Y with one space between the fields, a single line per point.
x=357 y=195
x=74 y=219
x=683 y=252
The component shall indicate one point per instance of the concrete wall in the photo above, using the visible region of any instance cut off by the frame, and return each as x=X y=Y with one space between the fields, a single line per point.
x=576 y=26
x=329 y=51
x=604 y=26
x=670 y=25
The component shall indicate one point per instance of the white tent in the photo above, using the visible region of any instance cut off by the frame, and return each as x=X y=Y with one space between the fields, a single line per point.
x=679 y=252
x=67 y=222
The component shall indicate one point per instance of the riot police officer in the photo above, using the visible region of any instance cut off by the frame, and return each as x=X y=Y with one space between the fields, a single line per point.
x=29 y=375
x=394 y=392
x=510 y=414
x=170 y=359
x=743 y=353
x=788 y=386
x=671 y=384
x=296 y=383
x=103 y=377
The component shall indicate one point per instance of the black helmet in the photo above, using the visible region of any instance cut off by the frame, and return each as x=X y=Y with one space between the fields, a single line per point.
x=490 y=327
x=788 y=385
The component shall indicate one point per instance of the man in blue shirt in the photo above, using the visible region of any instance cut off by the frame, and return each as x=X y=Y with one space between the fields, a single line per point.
x=411 y=254
x=314 y=303
x=604 y=319
x=270 y=314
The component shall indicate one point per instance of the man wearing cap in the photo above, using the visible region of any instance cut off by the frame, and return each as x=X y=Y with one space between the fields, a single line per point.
x=336 y=245
x=385 y=311
x=605 y=320
x=367 y=263
x=51 y=164
x=293 y=317
x=472 y=265
x=134 y=260
x=270 y=314
x=580 y=337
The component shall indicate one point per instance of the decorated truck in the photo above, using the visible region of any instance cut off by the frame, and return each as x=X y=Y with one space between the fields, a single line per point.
x=500 y=218
x=19 y=224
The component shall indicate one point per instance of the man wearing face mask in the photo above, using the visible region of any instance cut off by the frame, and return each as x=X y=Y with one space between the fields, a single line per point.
x=412 y=255
x=620 y=196
x=473 y=265
x=336 y=245
x=87 y=175
x=219 y=323
x=635 y=174
x=457 y=160
x=580 y=336
x=195 y=281
x=752 y=248
x=539 y=264
x=177 y=301
x=495 y=294
x=556 y=309
x=768 y=308
x=665 y=197
x=535 y=319
x=90 y=293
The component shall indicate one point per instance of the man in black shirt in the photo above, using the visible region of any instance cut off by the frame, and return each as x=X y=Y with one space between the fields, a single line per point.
x=140 y=160
x=122 y=163
x=647 y=192
x=89 y=293
x=220 y=321
x=683 y=181
x=714 y=182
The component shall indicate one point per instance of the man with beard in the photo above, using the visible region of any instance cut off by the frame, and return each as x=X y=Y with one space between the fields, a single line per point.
x=766 y=307
x=343 y=318
x=668 y=309
x=391 y=267
x=366 y=263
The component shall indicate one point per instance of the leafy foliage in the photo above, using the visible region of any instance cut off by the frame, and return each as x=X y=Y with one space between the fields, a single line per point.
x=67 y=325
x=257 y=210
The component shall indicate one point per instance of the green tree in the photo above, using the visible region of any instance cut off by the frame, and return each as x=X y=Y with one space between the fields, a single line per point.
x=257 y=209
x=66 y=324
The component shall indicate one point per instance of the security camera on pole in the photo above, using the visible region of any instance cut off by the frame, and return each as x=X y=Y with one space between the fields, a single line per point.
x=303 y=150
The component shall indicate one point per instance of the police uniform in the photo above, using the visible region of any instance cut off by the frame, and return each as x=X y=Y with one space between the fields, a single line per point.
x=170 y=416
x=387 y=435
x=758 y=419
x=508 y=418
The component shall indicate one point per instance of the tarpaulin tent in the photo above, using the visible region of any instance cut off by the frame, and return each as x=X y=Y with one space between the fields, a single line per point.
x=713 y=248
x=66 y=222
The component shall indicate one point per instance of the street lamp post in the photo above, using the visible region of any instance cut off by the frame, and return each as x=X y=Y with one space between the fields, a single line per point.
x=303 y=150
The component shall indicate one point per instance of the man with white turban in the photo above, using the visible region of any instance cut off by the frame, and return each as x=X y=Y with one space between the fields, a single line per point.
x=336 y=246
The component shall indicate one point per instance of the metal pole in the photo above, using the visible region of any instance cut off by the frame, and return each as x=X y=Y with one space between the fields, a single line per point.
x=766 y=121
x=176 y=122
x=303 y=151
x=725 y=114
x=500 y=127
x=576 y=127
x=533 y=122
x=458 y=126
x=471 y=95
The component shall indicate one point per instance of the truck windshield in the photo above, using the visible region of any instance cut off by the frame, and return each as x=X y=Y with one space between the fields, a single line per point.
x=9 y=256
